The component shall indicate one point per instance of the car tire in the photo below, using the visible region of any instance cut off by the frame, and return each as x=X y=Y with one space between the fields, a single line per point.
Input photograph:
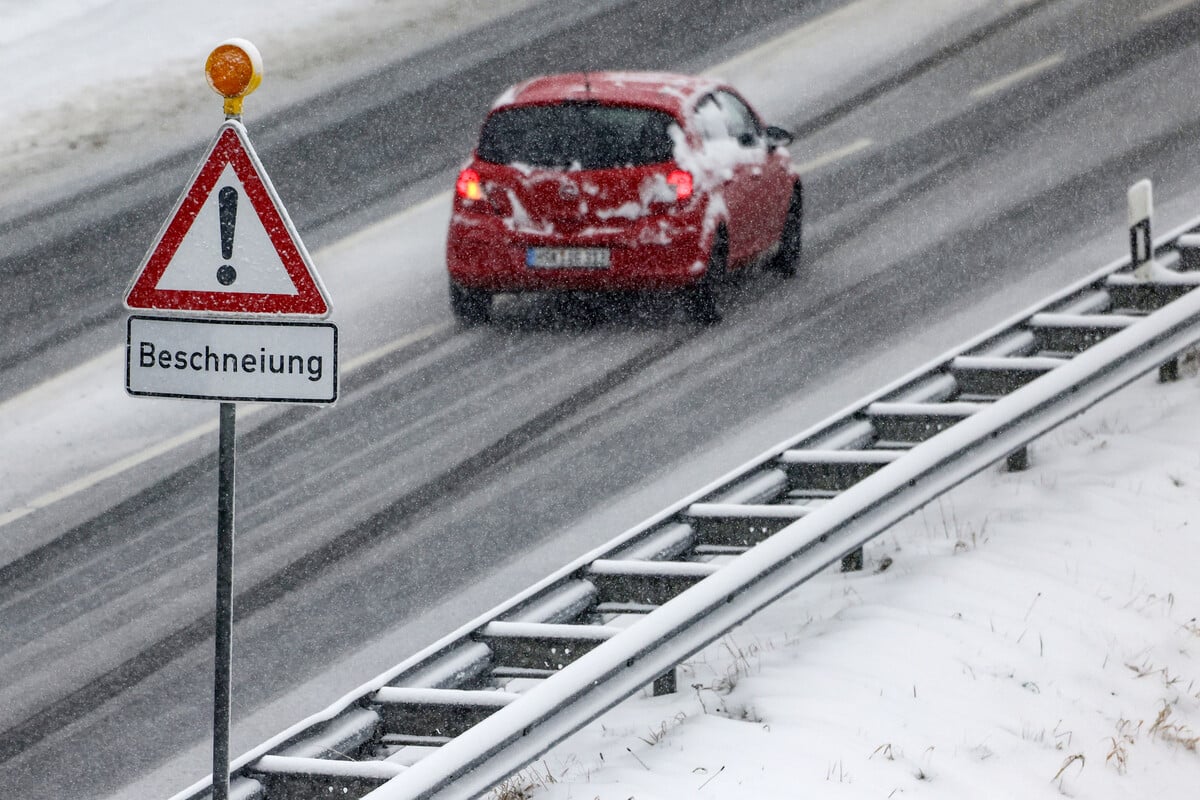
x=787 y=258
x=470 y=306
x=701 y=299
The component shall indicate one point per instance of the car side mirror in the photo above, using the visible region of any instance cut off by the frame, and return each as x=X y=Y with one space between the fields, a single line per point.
x=778 y=137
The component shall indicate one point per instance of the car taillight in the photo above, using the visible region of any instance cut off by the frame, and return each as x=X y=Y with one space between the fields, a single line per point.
x=682 y=181
x=468 y=185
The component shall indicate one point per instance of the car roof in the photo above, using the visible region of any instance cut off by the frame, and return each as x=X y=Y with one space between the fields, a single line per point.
x=666 y=91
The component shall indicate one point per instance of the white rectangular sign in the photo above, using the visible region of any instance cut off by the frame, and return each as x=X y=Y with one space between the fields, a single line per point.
x=234 y=360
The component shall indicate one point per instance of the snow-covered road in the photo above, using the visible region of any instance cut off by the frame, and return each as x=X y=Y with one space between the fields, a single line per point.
x=87 y=431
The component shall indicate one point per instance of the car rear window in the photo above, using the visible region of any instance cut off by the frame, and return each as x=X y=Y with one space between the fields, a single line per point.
x=586 y=135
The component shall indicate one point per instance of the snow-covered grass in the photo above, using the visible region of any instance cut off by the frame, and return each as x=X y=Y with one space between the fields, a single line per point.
x=1031 y=634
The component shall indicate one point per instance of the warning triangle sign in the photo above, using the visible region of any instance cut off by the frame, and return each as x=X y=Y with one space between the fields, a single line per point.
x=229 y=247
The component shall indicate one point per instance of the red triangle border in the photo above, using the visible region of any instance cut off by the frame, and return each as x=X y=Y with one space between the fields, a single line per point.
x=230 y=148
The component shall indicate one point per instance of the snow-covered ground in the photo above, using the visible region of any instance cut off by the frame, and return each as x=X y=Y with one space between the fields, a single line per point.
x=106 y=84
x=1032 y=633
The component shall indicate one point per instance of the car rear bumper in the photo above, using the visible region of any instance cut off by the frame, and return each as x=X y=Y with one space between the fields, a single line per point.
x=654 y=253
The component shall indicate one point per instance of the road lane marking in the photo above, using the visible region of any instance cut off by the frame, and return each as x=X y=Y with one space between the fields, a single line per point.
x=116 y=468
x=856 y=146
x=383 y=351
x=1017 y=76
x=1164 y=10
x=192 y=434
x=362 y=234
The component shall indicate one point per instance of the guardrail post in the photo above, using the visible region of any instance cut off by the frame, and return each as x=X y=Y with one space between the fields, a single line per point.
x=1018 y=460
x=1141 y=252
x=665 y=683
x=853 y=561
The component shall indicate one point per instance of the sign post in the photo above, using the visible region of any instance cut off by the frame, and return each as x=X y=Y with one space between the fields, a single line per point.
x=226 y=278
x=223 y=629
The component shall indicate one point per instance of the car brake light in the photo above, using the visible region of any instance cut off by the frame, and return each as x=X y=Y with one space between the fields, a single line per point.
x=468 y=185
x=682 y=181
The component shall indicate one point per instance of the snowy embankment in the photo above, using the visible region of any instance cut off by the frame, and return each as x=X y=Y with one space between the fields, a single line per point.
x=1029 y=635
x=108 y=85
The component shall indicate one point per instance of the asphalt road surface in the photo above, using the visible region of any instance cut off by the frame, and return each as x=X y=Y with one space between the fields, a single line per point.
x=957 y=182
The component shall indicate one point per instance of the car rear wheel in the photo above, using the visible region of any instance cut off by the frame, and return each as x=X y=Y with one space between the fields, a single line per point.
x=788 y=255
x=701 y=299
x=470 y=306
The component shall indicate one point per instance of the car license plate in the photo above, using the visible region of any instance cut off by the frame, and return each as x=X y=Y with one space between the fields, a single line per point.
x=554 y=257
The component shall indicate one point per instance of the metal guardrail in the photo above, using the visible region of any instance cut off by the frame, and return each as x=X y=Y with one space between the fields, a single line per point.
x=470 y=710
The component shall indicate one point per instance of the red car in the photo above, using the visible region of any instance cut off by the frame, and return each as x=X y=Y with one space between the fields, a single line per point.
x=618 y=181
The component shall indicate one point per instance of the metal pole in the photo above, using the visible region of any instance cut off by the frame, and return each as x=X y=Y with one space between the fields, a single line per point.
x=223 y=661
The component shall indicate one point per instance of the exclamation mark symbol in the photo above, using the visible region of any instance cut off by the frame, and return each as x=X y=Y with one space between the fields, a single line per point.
x=227 y=200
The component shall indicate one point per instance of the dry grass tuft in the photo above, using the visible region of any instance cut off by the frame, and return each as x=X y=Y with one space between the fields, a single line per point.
x=1167 y=730
x=522 y=785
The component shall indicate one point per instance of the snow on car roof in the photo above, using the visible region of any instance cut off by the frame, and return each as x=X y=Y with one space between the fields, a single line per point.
x=668 y=91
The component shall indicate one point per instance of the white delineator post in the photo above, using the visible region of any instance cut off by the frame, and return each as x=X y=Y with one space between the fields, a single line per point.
x=1141 y=246
x=1141 y=251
